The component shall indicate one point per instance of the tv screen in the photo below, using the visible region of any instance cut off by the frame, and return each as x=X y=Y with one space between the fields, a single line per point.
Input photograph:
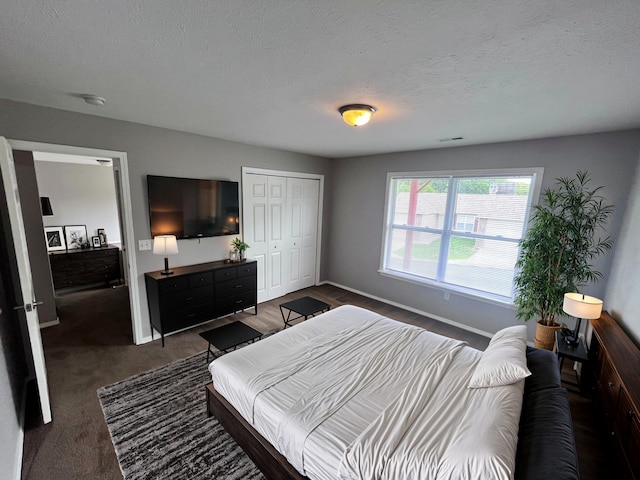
x=192 y=208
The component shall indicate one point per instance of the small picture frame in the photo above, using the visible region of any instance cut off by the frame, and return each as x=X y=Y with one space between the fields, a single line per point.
x=103 y=237
x=54 y=236
x=95 y=242
x=76 y=236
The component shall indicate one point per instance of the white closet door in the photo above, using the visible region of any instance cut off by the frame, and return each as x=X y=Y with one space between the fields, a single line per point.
x=280 y=223
x=254 y=223
x=293 y=237
x=276 y=218
x=310 y=198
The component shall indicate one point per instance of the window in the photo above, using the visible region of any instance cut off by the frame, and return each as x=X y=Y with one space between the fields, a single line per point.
x=458 y=230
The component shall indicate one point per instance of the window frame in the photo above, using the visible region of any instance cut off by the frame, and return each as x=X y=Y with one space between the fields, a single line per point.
x=448 y=227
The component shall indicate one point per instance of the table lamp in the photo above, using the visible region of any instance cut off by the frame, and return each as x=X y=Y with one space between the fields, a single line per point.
x=165 y=245
x=580 y=306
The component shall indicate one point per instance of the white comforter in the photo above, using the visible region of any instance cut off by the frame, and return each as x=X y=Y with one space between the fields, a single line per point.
x=351 y=394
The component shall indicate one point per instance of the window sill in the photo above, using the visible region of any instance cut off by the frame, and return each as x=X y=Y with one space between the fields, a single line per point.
x=448 y=288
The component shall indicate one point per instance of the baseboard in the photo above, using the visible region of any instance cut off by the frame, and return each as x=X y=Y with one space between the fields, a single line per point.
x=50 y=324
x=157 y=336
x=411 y=309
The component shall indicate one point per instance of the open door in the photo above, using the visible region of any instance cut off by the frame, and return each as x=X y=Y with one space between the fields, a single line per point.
x=24 y=302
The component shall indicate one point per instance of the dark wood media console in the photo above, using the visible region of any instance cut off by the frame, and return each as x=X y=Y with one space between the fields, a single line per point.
x=197 y=293
x=616 y=366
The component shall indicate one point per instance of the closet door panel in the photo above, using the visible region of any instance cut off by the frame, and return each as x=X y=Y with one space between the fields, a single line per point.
x=254 y=207
x=293 y=238
x=276 y=229
x=309 y=231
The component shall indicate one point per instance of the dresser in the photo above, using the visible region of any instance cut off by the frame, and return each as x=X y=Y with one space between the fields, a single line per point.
x=197 y=293
x=616 y=367
x=85 y=267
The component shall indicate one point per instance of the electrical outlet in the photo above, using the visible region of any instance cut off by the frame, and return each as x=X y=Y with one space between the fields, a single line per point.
x=144 y=245
x=446 y=296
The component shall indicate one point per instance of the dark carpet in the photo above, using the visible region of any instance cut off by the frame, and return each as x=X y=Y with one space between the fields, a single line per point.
x=160 y=430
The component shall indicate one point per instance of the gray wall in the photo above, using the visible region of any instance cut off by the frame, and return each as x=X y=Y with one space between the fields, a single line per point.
x=80 y=195
x=359 y=186
x=354 y=193
x=156 y=151
x=622 y=298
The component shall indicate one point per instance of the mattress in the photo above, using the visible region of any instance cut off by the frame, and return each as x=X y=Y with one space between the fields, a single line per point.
x=353 y=394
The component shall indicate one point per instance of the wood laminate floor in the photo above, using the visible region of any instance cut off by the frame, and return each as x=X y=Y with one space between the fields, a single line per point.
x=92 y=347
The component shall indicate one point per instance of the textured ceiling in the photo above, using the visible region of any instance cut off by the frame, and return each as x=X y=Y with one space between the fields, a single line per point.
x=273 y=73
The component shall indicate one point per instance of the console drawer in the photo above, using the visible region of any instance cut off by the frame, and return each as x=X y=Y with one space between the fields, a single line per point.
x=186 y=298
x=236 y=303
x=235 y=287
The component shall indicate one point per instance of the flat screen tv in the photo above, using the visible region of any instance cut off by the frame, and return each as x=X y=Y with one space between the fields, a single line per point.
x=192 y=208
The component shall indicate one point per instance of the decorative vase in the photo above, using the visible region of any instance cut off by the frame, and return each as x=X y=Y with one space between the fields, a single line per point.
x=546 y=335
x=241 y=256
x=233 y=256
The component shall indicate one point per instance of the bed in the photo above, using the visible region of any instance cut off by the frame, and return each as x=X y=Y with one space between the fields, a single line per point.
x=353 y=394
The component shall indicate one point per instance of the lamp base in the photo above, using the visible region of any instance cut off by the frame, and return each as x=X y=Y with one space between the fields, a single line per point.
x=166 y=270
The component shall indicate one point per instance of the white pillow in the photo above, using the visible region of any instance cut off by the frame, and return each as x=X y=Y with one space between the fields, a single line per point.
x=504 y=361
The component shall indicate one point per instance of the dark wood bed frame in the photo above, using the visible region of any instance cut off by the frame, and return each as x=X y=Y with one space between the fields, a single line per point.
x=264 y=455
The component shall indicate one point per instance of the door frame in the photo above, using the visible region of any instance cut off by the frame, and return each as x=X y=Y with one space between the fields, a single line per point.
x=123 y=191
x=282 y=173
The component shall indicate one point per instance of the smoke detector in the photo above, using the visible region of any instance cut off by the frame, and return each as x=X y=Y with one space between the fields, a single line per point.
x=93 y=99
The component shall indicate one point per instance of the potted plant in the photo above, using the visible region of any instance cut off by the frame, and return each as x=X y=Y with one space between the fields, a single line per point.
x=240 y=247
x=557 y=251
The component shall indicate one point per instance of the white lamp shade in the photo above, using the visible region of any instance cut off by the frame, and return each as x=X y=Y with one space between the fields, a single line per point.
x=582 y=306
x=165 y=245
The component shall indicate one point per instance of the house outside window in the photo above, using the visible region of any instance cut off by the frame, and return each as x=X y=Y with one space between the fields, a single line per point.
x=458 y=230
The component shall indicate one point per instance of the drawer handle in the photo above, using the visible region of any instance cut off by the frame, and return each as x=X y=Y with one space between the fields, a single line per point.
x=238 y=301
x=188 y=299
x=202 y=279
x=238 y=286
x=191 y=315
x=631 y=414
x=609 y=384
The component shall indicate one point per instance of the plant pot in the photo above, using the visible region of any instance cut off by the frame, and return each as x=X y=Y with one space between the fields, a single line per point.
x=546 y=335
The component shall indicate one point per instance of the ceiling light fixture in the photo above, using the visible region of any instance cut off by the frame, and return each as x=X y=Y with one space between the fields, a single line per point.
x=93 y=99
x=357 y=114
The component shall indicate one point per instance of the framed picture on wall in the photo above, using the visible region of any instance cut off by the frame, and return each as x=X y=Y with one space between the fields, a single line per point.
x=96 y=242
x=54 y=237
x=76 y=236
x=103 y=237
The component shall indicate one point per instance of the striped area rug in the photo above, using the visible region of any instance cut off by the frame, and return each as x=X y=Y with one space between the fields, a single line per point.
x=160 y=430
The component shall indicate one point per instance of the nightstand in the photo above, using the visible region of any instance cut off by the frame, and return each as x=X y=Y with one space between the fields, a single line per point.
x=576 y=352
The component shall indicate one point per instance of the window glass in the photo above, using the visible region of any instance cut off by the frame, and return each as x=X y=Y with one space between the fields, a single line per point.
x=458 y=230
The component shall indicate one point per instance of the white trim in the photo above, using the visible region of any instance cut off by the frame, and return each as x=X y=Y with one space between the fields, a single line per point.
x=312 y=176
x=50 y=324
x=148 y=339
x=414 y=310
x=447 y=287
x=280 y=173
x=129 y=252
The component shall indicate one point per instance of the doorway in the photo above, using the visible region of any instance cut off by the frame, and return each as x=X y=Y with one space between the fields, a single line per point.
x=119 y=165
